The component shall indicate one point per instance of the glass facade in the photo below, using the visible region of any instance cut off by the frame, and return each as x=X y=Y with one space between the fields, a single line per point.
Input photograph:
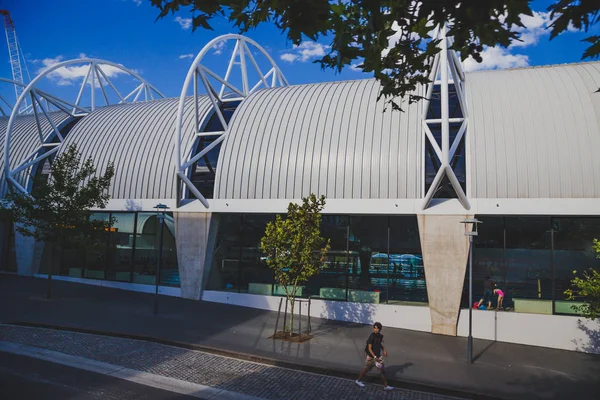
x=127 y=252
x=372 y=259
x=532 y=259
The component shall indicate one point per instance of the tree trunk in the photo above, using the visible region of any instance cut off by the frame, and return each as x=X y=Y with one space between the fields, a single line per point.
x=292 y=301
x=50 y=270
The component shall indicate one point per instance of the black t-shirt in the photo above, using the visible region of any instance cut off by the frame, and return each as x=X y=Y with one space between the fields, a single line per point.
x=375 y=340
x=489 y=284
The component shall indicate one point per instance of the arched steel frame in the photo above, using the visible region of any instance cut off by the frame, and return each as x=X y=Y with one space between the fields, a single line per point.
x=445 y=62
x=40 y=102
x=200 y=73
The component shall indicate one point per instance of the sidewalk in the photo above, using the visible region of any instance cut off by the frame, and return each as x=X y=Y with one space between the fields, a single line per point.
x=418 y=361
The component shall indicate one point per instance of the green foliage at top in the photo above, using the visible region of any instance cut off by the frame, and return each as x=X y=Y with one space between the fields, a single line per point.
x=360 y=30
x=587 y=289
x=294 y=247
x=62 y=203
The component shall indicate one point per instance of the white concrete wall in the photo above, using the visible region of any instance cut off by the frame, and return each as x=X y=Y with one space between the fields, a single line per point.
x=554 y=331
x=396 y=316
x=135 y=287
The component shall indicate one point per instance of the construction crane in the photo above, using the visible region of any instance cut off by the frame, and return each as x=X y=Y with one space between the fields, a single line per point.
x=15 y=54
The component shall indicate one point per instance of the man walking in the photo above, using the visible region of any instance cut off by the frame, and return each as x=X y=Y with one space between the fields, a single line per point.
x=373 y=351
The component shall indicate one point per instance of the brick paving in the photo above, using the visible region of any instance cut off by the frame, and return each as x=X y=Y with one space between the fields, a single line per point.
x=255 y=379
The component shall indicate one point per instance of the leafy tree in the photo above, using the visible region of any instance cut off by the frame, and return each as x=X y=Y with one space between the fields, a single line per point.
x=362 y=29
x=587 y=288
x=60 y=211
x=294 y=246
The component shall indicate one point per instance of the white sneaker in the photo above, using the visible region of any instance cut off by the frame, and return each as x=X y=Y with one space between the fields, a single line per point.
x=359 y=383
x=388 y=387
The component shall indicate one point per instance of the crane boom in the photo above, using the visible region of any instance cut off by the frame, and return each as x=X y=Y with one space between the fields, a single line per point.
x=13 y=53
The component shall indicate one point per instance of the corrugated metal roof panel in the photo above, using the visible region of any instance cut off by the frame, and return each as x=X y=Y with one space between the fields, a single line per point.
x=533 y=132
x=139 y=139
x=25 y=139
x=329 y=138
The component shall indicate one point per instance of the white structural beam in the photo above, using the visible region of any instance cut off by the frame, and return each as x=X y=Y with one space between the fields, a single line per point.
x=446 y=72
x=95 y=79
x=199 y=75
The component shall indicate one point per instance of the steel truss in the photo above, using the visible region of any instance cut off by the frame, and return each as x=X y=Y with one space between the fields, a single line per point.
x=227 y=92
x=49 y=143
x=445 y=62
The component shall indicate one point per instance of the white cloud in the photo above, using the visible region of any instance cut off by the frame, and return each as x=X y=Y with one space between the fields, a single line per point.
x=184 y=56
x=68 y=75
x=185 y=23
x=219 y=47
x=496 y=58
x=289 y=57
x=82 y=55
x=138 y=2
x=305 y=51
x=355 y=68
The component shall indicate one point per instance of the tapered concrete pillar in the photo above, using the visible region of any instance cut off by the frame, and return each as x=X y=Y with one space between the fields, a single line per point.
x=445 y=254
x=192 y=231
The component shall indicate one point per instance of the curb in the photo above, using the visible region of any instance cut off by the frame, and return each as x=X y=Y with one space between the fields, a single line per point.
x=403 y=384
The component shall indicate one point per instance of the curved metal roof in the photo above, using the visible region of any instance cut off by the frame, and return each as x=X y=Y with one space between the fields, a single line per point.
x=25 y=140
x=534 y=132
x=139 y=138
x=329 y=138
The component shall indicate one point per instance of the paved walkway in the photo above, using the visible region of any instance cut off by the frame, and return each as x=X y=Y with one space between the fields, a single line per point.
x=225 y=373
x=418 y=361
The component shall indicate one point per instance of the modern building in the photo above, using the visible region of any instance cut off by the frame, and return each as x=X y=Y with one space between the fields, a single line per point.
x=512 y=148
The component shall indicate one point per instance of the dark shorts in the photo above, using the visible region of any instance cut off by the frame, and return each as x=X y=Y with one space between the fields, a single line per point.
x=488 y=294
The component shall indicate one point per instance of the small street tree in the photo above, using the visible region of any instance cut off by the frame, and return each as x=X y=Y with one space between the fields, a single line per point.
x=587 y=288
x=294 y=247
x=59 y=211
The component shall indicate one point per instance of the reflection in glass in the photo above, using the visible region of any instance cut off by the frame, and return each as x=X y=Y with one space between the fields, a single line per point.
x=121 y=246
x=225 y=268
x=146 y=248
x=254 y=269
x=407 y=273
x=169 y=271
x=573 y=251
x=528 y=258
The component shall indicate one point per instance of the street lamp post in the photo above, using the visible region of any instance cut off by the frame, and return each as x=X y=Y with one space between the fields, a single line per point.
x=470 y=234
x=160 y=215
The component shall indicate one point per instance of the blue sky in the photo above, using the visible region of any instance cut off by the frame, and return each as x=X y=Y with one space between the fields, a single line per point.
x=125 y=32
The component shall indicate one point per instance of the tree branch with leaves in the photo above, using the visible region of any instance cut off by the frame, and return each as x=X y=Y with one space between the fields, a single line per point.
x=587 y=289
x=60 y=207
x=392 y=39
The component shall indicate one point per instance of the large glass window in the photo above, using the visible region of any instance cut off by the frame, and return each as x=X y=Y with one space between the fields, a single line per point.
x=254 y=271
x=361 y=266
x=407 y=273
x=169 y=271
x=332 y=281
x=121 y=247
x=368 y=239
x=488 y=258
x=225 y=268
x=573 y=251
x=9 y=259
x=528 y=258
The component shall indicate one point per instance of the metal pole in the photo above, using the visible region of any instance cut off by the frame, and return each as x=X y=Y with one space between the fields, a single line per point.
x=157 y=280
x=470 y=339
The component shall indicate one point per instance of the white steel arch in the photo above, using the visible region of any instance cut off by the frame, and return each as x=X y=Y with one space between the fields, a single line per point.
x=41 y=101
x=445 y=61
x=200 y=73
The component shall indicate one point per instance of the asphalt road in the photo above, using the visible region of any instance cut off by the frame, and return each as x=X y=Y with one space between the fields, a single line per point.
x=23 y=378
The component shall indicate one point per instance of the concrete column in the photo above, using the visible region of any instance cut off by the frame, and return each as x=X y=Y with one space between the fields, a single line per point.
x=445 y=254
x=192 y=231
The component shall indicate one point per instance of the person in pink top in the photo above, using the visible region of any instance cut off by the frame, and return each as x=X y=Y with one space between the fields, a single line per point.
x=500 y=294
